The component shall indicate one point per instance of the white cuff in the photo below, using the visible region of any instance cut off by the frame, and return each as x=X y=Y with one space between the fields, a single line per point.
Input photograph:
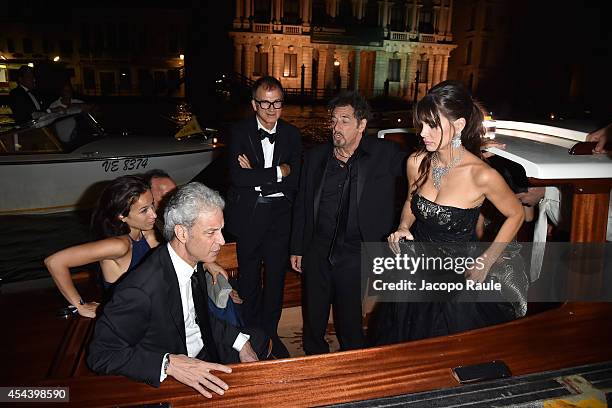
x=552 y=203
x=279 y=174
x=162 y=372
x=240 y=341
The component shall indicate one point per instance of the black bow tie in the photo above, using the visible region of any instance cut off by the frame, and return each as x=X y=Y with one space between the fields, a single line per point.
x=271 y=136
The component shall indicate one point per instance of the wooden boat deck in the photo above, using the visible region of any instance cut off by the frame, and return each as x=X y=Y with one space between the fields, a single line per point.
x=41 y=349
x=571 y=335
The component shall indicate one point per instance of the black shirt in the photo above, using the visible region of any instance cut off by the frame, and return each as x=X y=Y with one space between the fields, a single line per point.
x=333 y=201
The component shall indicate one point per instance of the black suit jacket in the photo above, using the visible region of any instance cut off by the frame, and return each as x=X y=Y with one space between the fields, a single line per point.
x=379 y=164
x=22 y=105
x=241 y=197
x=144 y=320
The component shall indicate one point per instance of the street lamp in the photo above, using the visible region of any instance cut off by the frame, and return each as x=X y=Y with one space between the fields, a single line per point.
x=56 y=58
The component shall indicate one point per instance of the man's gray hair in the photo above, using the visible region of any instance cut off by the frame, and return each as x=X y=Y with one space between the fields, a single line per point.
x=186 y=205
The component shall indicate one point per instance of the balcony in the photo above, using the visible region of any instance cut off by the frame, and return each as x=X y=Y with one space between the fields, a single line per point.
x=262 y=28
x=424 y=38
x=292 y=29
x=427 y=38
x=402 y=36
x=269 y=28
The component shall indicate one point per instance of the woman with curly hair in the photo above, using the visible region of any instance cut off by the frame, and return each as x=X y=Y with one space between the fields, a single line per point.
x=123 y=221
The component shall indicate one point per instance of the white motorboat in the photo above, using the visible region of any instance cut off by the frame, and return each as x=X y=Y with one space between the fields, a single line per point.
x=60 y=162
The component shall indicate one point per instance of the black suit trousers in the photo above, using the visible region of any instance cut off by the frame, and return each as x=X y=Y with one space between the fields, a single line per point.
x=267 y=241
x=324 y=285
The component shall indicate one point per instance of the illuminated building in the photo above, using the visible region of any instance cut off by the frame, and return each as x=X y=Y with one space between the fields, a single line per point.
x=104 y=51
x=344 y=44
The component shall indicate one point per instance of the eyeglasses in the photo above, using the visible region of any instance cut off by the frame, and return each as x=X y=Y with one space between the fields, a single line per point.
x=266 y=104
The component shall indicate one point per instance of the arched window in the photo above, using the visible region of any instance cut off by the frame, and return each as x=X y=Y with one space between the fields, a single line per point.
x=423 y=68
x=468 y=54
x=346 y=12
x=484 y=53
x=263 y=9
x=398 y=16
x=371 y=16
x=318 y=12
x=291 y=11
x=426 y=18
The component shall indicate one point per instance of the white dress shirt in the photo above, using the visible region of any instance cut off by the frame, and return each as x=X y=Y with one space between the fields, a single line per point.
x=193 y=336
x=184 y=271
x=59 y=104
x=268 y=152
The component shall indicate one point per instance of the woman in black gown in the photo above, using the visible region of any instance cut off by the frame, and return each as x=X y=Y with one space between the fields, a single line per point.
x=448 y=182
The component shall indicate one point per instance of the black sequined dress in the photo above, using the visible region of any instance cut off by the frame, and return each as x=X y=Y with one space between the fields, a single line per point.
x=403 y=321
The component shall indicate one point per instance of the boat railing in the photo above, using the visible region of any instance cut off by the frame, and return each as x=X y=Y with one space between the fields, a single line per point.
x=536 y=128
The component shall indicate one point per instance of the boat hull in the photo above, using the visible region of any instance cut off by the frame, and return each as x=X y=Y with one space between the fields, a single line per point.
x=50 y=186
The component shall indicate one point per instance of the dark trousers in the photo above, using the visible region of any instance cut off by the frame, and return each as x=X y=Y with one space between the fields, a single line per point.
x=325 y=285
x=227 y=355
x=267 y=241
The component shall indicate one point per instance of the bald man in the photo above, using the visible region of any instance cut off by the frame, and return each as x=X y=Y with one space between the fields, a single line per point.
x=161 y=184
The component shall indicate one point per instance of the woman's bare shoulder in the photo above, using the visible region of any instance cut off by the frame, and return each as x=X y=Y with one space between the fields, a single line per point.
x=482 y=173
x=115 y=246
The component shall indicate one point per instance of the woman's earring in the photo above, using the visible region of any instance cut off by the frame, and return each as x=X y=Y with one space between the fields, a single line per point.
x=456 y=140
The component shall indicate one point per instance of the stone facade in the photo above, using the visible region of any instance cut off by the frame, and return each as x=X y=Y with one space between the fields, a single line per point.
x=104 y=51
x=344 y=44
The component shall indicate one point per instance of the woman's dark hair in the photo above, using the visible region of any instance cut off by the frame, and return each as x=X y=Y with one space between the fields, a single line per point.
x=116 y=200
x=453 y=101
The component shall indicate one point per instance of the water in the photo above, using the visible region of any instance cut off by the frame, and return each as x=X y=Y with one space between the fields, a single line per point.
x=25 y=240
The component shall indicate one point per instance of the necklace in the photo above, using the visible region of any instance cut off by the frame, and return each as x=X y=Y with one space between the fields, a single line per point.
x=337 y=152
x=437 y=171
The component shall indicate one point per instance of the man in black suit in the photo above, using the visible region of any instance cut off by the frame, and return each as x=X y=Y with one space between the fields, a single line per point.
x=264 y=163
x=346 y=197
x=157 y=323
x=23 y=98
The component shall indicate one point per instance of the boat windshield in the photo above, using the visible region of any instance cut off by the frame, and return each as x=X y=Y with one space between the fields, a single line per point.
x=51 y=134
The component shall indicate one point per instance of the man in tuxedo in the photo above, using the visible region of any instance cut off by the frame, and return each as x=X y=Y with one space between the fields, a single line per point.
x=346 y=197
x=264 y=163
x=157 y=323
x=23 y=100
x=162 y=187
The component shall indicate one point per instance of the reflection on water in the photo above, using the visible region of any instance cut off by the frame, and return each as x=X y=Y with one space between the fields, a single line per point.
x=313 y=122
x=25 y=240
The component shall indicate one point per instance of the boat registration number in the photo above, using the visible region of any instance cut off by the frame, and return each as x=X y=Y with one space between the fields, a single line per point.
x=111 y=166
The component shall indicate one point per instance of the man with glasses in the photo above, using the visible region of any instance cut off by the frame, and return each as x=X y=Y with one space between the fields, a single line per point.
x=264 y=163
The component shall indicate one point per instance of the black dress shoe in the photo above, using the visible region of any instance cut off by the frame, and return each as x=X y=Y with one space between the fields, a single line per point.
x=278 y=349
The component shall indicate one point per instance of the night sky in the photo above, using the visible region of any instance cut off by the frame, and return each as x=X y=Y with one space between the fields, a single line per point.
x=553 y=43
